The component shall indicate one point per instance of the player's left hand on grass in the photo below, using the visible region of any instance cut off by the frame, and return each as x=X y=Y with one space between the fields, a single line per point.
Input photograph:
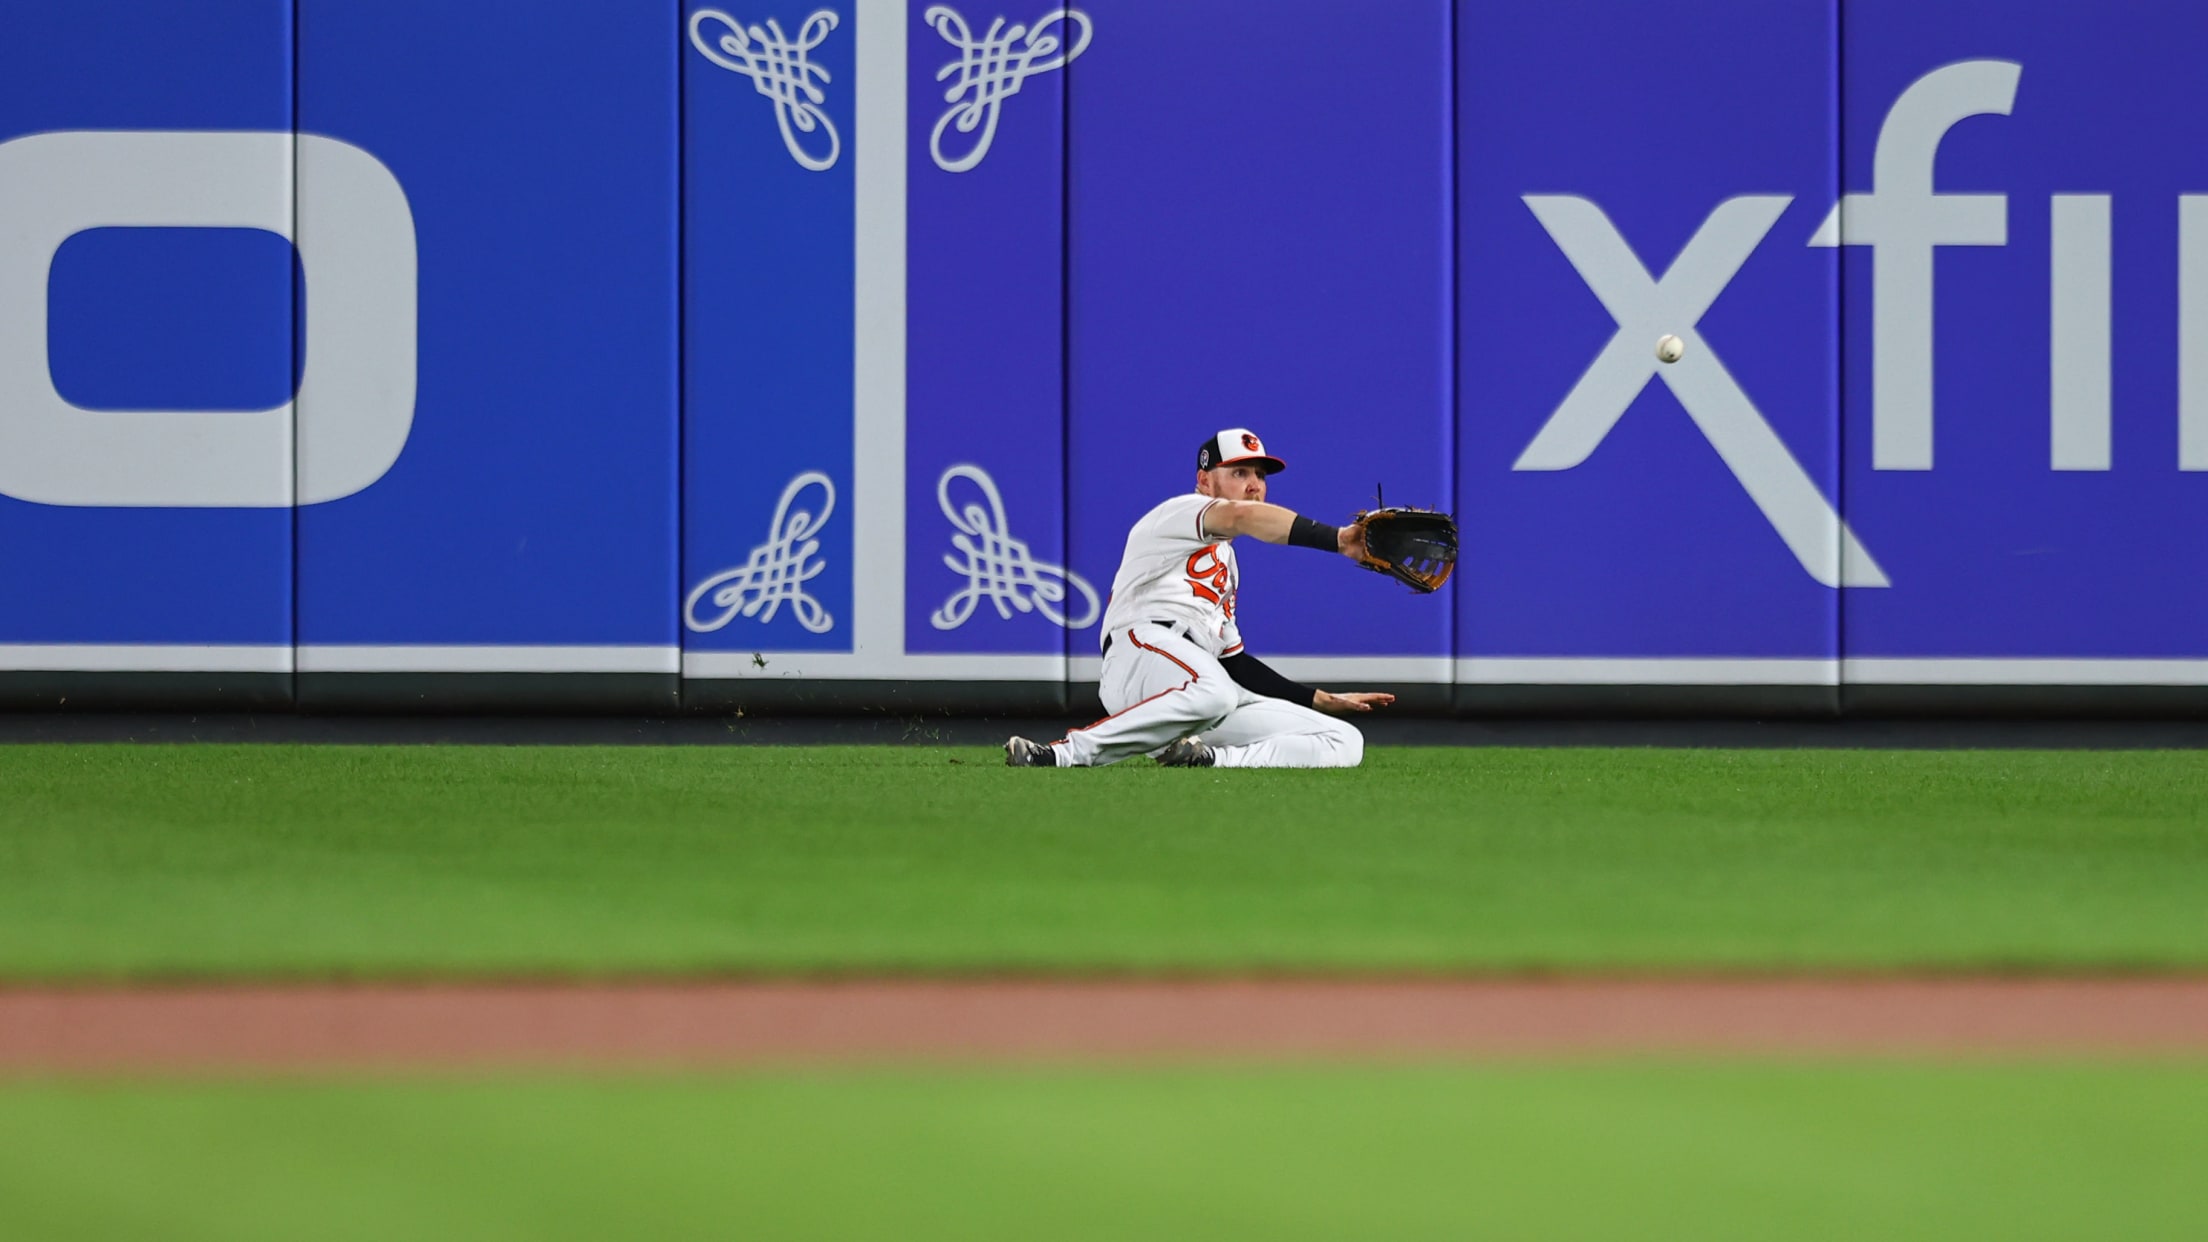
x=1356 y=701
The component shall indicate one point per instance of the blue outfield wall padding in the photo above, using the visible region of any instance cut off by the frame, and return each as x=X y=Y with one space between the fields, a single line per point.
x=161 y=537
x=174 y=319
x=2019 y=453
x=1628 y=521
x=1259 y=237
x=534 y=502
x=827 y=351
x=985 y=433
x=768 y=335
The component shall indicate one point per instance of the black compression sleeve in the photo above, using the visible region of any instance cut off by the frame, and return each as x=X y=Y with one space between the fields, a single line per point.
x=1305 y=533
x=1251 y=674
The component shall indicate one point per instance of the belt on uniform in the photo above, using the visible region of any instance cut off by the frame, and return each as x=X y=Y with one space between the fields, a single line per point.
x=1179 y=627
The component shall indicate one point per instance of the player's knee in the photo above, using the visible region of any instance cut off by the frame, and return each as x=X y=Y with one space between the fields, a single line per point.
x=1211 y=698
x=1346 y=744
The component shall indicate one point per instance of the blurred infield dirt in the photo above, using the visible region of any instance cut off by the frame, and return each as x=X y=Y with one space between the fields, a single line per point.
x=311 y=1028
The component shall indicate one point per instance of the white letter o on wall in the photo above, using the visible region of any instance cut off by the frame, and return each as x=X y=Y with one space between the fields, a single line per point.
x=355 y=236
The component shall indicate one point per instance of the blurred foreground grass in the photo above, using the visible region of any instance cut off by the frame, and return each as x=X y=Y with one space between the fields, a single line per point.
x=1621 y=1150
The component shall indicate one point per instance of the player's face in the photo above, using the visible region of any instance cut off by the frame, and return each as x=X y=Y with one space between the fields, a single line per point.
x=1232 y=482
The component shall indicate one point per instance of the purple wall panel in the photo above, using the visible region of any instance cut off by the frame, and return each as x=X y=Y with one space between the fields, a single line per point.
x=1252 y=245
x=1621 y=509
x=985 y=410
x=2022 y=518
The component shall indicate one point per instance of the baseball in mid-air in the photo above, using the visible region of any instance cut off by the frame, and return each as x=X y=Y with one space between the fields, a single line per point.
x=1669 y=349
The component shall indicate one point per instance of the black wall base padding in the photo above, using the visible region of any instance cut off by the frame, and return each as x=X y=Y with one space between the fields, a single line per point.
x=71 y=691
x=766 y=696
x=497 y=693
x=665 y=695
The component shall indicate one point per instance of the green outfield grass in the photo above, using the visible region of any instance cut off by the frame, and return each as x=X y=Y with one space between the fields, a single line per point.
x=326 y=861
x=1630 y=1150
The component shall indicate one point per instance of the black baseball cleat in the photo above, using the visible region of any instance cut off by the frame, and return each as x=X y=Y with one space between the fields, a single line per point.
x=1021 y=753
x=1186 y=753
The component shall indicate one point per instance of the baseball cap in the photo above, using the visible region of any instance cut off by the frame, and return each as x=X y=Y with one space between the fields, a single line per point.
x=1235 y=446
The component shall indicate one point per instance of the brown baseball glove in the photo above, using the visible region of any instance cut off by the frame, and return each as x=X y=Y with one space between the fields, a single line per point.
x=1417 y=547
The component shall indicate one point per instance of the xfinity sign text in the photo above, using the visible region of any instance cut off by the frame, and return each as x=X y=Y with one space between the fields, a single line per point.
x=1903 y=220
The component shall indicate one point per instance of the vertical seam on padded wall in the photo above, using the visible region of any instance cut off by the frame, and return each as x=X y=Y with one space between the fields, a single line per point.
x=1839 y=376
x=682 y=353
x=1065 y=363
x=295 y=372
x=1454 y=153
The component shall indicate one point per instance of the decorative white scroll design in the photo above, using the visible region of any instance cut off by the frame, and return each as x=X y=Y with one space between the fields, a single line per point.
x=781 y=69
x=777 y=571
x=990 y=70
x=997 y=566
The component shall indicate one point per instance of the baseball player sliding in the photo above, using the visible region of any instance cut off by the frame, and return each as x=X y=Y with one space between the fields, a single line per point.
x=1176 y=680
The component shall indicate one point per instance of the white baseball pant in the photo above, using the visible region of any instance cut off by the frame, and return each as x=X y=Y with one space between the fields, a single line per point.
x=1160 y=687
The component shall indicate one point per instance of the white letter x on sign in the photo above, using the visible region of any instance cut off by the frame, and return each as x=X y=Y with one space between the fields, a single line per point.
x=1645 y=309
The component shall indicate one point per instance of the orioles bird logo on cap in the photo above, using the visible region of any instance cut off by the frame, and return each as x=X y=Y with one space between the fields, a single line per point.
x=1250 y=442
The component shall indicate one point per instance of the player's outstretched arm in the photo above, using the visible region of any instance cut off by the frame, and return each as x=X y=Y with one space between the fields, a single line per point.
x=1251 y=673
x=1354 y=701
x=1274 y=524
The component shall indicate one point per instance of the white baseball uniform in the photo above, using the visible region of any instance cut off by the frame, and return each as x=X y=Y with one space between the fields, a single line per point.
x=1170 y=619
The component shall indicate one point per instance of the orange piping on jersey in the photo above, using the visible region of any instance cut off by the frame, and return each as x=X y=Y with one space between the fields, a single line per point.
x=1192 y=676
x=1130 y=707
